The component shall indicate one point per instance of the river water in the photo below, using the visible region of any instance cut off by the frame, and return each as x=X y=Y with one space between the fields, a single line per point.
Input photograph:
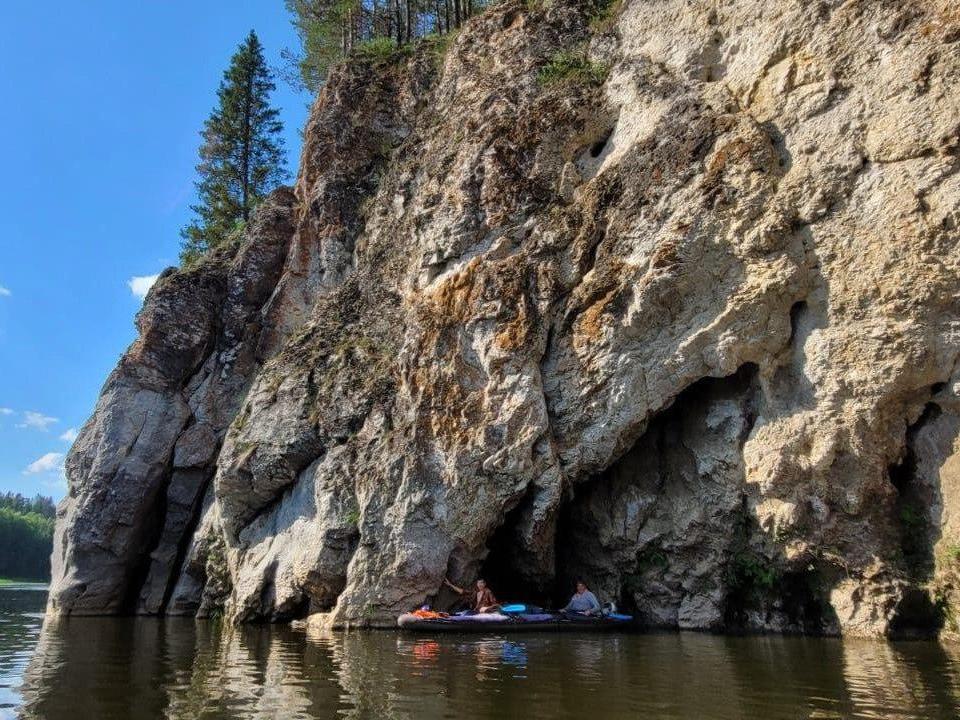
x=127 y=669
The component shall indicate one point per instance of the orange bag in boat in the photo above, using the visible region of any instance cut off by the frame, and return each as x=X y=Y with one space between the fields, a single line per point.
x=429 y=614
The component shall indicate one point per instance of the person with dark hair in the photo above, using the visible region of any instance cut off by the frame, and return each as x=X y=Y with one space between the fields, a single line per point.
x=480 y=598
x=583 y=601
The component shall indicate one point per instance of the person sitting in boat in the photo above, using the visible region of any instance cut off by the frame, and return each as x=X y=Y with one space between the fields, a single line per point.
x=480 y=599
x=583 y=601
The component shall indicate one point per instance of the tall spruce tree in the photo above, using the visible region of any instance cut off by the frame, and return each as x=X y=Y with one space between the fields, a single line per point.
x=241 y=158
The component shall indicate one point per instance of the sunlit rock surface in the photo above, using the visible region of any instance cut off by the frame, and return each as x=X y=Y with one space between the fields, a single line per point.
x=684 y=323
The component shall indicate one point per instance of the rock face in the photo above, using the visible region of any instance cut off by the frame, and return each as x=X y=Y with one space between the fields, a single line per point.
x=677 y=311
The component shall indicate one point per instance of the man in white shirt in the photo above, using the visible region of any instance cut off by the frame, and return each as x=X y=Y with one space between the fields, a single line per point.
x=583 y=601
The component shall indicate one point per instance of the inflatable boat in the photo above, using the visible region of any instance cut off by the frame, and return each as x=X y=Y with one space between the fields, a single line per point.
x=497 y=622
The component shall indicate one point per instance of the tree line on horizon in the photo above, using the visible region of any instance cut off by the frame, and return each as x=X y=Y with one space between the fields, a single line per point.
x=26 y=536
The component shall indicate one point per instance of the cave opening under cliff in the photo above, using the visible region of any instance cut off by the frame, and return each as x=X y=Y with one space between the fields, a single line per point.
x=504 y=569
x=635 y=494
x=662 y=514
x=917 y=615
x=656 y=531
x=914 y=526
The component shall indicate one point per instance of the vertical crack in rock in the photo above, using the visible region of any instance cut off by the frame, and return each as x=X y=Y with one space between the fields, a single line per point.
x=151 y=533
x=182 y=533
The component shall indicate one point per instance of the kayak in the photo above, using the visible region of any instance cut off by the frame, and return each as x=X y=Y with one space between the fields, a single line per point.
x=495 y=622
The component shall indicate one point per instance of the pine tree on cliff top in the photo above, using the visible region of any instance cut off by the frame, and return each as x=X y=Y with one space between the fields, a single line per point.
x=241 y=158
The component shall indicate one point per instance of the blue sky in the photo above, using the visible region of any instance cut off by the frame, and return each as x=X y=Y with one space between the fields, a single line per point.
x=102 y=104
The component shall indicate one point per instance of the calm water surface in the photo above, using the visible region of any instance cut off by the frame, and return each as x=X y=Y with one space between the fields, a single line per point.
x=130 y=669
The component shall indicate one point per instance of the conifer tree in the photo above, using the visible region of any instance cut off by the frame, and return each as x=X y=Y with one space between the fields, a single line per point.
x=241 y=158
x=332 y=29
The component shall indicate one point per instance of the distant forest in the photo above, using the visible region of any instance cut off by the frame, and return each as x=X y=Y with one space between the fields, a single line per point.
x=26 y=536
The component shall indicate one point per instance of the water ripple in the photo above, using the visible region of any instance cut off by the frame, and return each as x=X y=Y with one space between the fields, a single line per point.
x=113 y=669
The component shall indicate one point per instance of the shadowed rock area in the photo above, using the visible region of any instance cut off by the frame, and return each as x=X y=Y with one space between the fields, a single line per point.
x=684 y=323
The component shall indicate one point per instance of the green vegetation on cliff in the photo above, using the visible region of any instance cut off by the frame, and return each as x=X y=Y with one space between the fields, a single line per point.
x=26 y=537
x=333 y=29
x=241 y=158
x=568 y=66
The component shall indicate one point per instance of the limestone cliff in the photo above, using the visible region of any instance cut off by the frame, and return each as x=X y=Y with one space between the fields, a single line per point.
x=663 y=294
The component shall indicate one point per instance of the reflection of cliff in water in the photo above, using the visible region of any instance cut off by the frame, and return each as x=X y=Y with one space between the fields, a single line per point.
x=181 y=670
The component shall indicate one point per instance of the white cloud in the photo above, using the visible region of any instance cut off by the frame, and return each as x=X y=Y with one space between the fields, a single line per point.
x=140 y=285
x=5 y=292
x=48 y=463
x=5 y=411
x=52 y=472
x=57 y=484
x=37 y=421
x=70 y=435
